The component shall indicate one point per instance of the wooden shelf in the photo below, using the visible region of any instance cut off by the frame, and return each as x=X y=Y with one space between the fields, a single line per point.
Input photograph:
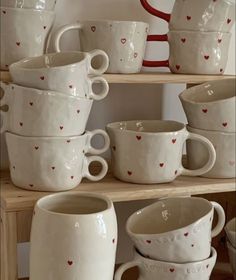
x=15 y=199
x=149 y=78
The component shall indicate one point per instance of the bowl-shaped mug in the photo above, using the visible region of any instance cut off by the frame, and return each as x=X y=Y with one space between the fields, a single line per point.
x=230 y=230
x=48 y=5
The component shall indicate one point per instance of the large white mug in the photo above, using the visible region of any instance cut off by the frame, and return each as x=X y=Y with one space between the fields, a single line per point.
x=123 y=41
x=73 y=236
x=63 y=72
x=149 y=152
x=24 y=33
x=54 y=163
x=48 y=5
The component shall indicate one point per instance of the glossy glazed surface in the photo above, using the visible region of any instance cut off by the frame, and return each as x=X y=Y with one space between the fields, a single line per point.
x=30 y=4
x=230 y=230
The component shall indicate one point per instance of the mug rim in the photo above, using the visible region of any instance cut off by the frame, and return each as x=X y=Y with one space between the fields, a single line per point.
x=212 y=33
x=112 y=21
x=28 y=10
x=211 y=132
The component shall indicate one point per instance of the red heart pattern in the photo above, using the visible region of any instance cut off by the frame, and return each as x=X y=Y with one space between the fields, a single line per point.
x=183 y=40
x=123 y=41
x=189 y=18
x=21 y=124
x=139 y=137
x=31 y=185
x=36 y=147
x=204 y=111
x=177 y=66
x=161 y=164
x=61 y=127
x=113 y=240
x=72 y=177
x=68 y=141
x=186 y=234
x=69 y=263
x=206 y=57
x=4 y=12
x=70 y=86
x=173 y=141
x=228 y=21
x=221 y=70
x=42 y=78
x=93 y=28
x=149 y=241
x=176 y=171
x=31 y=103
x=114 y=148
x=225 y=124
x=53 y=167
x=18 y=44
x=129 y=173
x=44 y=27
x=172 y=270
x=78 y=111
x=219 y=41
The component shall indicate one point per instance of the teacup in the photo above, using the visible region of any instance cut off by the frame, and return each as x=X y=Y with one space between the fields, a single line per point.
x=48 y=5
x=63 y=72
x=201 y=15
x=211 y=106
x=123 y=41
x=53 y=163
x=148 y=152
x=176 y=229
x=73 y=236
x=24 y=33
x=230 y=230
x=193 y=52
x=232 y=258
x=224 y=144
x=34 y=112
x=154 y=269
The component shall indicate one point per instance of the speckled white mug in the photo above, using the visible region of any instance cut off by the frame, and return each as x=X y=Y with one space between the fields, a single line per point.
x=73 y=236
x=123 y=41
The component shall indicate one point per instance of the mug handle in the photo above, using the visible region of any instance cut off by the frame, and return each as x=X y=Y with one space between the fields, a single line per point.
x=86 y=173
x=161 y=63
x=221 y=219
x=106 y=138
x=105 y=88
x=155 y=12
x=4 y=101
x=211 y=160
x=120 y=271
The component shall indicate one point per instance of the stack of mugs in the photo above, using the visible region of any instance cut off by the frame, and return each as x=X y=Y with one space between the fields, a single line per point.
x=199 y=35
x=49 y=105
x=25 y=29
x=172 y=239
x=231 y=243
x=210 y=110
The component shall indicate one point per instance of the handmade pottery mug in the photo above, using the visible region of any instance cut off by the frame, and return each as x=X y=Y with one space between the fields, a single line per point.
x=53 y=163
x=63 y=72
x=176 y=229
x=154 y=269
x=193 y=52
x=148 y=152
x=201 y=15
x=80 y=239
x=34 y=112
x=123 y=41
x=48 y=5
x=232 y=258
x=24 y=33
x=230 y=230
x=224 y=144
x=211 y=106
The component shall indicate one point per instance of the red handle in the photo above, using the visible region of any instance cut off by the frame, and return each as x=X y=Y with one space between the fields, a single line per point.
x=154 y=11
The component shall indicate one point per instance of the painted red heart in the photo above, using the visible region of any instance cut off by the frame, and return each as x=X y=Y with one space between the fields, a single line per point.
x=129 y=173
x=114 y=148
x=18 y=44
x=225 y=124
x=161 y=164
x=70 y=86
x=176 y=172
x=135 y=55
x=206 y=57
x=21 y=124
x=44 y=27
x=192 y=245
x=149 y=241
x=172 y=269
x=123 y=40
x=93 y=28
x=61 y=127
x=36 y=147
x=53 y=167
x=113 y=240
x=4 y=12
x=173 y=141
x=207 y=265
x=228 y=21
x=70 y=263
x=177 y=67
x=139 y=137
x=219 y=41
x=183 y=40
x=188 y=17
x=68 y=141
x=204 y=111
x=42 y=78
x=31 y=185
x=221 y=70
x=72 y=177
x=14 y=167
x=31 y=103
x=186 y=234
x=78 y=111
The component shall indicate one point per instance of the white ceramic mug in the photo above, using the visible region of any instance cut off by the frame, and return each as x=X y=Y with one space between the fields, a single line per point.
x=24 y=33
x=230 y=230
x=232 y=258
x=123 y=41
x=48 y=5
x=154 y=269
x=34 y=112
x=73 y=236
x=193 y=52
x=63 y=72
x=224 y=144
x=201 y=15
x=148 y=152
x=53 y=163
x=176 y=229
x=211 y=106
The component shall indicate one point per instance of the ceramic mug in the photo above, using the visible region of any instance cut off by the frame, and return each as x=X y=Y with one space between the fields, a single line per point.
x=193 y=52
x=123 y=41
x=53 y=163
x=201 y=15
x=154 y=269
x=63 y=72
x=148 y=152
x=34 y=112
x=176 y=229
x=48 y=5
x=80 y=239
x=230 y=230
x=232 y=258
x=224 y=144
x=211 y=106
x=24 y=33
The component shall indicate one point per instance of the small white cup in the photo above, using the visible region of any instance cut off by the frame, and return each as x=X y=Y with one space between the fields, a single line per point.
x=230 y=230
x=73 y=236
x=54 y=163
x=63 y=72
x=123 y=41
x=48 y=5
x=176 y=230
x=153 y=269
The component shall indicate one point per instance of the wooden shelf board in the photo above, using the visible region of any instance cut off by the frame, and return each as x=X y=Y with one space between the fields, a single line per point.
x=149 y=78
x=15 y=199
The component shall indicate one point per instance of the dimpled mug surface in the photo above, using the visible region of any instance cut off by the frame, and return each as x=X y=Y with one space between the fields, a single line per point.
x=34 y=112
x=80 y=239
x=24 y=33
x=230 y=230
x=154 y=270
x=30 y=4
x=211 y=106
x=176 y=230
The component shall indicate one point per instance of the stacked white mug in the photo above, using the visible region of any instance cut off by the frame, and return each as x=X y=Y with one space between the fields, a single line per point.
x=49 y=103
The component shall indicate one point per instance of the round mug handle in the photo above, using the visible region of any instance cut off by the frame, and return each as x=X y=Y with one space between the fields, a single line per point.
x=4 y=101
x=221 y=219
x=155 y=12
x=106 y=138
x=120 y=271
x=105 y=88
x=86 y=173
x=211 y=160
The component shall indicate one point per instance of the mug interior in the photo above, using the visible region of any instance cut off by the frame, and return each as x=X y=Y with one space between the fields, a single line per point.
x=168 y=215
